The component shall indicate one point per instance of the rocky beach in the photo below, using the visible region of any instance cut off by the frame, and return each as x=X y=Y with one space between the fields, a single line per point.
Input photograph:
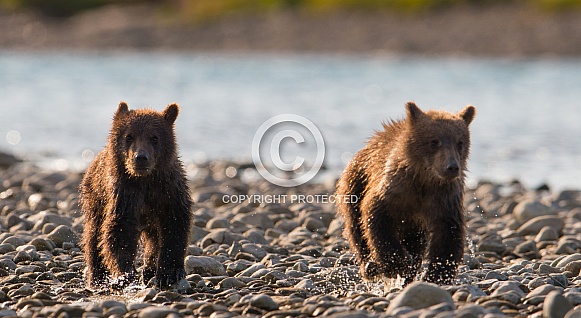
x=282 y=254
x=259 y=250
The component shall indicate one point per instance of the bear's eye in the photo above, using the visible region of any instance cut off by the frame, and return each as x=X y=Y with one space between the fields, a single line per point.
x=435 y=144
x=460 y=145
x=128 y=138
x=154 y=139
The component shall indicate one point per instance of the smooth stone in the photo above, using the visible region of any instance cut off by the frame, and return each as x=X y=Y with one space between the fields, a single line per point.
x=47 y=228
x=503 y=287
x=61 y=234
x=547 y=233
x=45 y=217
x=263 y=301
x=492 y=244
x=230 y=282
x=6 y=248
x=8 y=313
x=313 y=224
x=256 y=219
x=420 y=295
x=526 y=246
x=146 y=294
x=255 y=236
x=575 y=313
x=22 y=256
x=543 y=290
x=218 y=223
x=115 y=310
x=530 y=208
x=254 y=250
x=559 y=280
x=495 y=275
x=573 y=267
x=251 y=270
x=573 y=297
x=239 y=265
x=306 y=284
x=204 y=265
x=556 y=305
x=7 y=264
x=533 y=226
x=286 y=225
x=471 y=311
x=568 y=259
x=155 y=312
x=181 y=285
x=220 y=236
x=548 y=269
x=41 y=244
x=14 y=241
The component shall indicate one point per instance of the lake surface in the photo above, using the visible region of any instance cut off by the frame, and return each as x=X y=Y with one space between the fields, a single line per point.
x=57 y=107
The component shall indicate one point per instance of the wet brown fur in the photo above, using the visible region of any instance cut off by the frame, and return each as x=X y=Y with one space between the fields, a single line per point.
x=410 y=197
x=125 y=198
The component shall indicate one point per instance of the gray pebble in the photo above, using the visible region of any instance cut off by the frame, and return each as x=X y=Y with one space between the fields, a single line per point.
x=204 y=265
x=420 y=295
x=154 y=312
x=263 y=302
x=555 y=305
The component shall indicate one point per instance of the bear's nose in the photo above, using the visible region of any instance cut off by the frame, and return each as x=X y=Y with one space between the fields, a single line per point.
x=452 y=168
x=141 y=157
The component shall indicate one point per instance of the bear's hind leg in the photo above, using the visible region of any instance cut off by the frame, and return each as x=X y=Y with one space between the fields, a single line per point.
x=354 y=234
x=96 y=270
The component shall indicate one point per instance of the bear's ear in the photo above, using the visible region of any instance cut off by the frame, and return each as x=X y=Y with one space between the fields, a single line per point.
x=171 y=113
x=414 y=112
x=467 y=114
x=122 y=110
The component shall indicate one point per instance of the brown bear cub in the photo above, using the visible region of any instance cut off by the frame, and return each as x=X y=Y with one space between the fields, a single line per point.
x=409 y=181
x=136 y=187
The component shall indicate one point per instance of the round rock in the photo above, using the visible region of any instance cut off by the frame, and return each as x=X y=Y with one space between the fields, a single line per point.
x=204 y=265
x=556 y=305
x=420 y=295
x=61 y=234
x=531 y=208
x=263 y=301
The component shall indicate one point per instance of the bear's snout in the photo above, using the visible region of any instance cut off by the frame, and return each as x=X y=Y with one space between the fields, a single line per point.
x=452 y=169
x=139 y=162
x=141 y=158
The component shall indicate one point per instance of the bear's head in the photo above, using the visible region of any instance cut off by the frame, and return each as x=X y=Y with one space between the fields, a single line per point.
x=143 y=139
x=438 y=142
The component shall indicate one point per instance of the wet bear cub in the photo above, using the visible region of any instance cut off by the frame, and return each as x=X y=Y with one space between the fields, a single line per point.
x=409 y=180
x=136 y=188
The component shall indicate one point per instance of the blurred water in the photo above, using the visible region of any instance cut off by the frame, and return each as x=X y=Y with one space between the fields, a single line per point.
x=528 y=125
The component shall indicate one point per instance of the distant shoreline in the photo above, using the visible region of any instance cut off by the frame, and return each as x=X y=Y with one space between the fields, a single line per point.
x=494 y=31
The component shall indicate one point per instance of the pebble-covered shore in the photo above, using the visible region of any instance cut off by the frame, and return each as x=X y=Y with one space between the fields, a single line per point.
x=285 y=257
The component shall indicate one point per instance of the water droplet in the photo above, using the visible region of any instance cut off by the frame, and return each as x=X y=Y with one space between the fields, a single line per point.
x=13 y=137
x=88 y=155
x=231 y=172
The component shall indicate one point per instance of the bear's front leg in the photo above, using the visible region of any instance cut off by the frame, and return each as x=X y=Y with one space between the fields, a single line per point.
x=445 y=250
x=174 y=239
x=150 y=254
x=120 y=239
x=388 y=255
